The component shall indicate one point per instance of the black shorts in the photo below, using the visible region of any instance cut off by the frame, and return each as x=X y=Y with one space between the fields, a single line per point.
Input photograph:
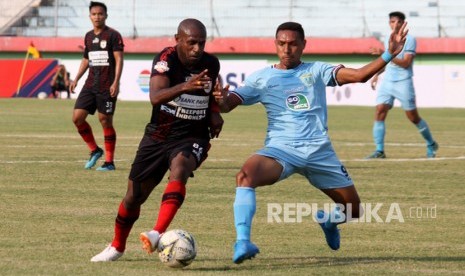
x=91 y=101
x=153 y=158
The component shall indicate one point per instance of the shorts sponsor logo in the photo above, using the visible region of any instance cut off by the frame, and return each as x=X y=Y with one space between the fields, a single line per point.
x=197 y=150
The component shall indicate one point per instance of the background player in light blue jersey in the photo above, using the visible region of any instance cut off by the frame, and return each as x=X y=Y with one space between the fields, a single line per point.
x=398 y=84
x=293 y=93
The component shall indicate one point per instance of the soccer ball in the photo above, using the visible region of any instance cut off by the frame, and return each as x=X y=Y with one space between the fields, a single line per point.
x=177 y=248
x=42 y=95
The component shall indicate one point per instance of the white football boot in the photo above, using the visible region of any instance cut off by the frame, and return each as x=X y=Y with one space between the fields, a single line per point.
x=149 y=240
x=109 y=254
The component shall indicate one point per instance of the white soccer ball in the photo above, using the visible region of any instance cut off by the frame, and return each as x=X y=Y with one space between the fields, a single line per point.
x=42 y=95
x=177 y=248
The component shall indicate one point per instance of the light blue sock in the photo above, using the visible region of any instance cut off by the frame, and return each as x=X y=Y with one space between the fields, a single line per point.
x=244 y=210
x=334 y=218
x=425 y=132
x=379 y=130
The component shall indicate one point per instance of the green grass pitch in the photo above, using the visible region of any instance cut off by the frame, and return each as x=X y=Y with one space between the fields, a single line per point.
x=55 y=215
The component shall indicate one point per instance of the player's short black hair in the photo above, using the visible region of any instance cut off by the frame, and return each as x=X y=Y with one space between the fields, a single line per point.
x=291 y=26
x=397 y=14
x=97 y=4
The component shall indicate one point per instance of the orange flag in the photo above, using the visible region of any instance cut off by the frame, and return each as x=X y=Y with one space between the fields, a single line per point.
x=32 y=50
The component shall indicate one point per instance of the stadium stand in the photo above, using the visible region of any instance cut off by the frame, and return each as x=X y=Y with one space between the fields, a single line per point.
x=241 y=26
x=147 y=18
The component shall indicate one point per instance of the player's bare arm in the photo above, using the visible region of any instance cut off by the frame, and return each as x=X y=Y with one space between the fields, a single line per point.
x=363 y=74
x=82 y=69
x=161 y=92
x=114 y=88
x=404 y=62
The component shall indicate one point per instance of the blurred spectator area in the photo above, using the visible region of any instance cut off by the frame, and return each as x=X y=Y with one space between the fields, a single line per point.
x=238 y=19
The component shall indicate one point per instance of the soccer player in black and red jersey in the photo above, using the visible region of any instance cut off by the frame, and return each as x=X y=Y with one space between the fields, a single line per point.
x=103 y=55
x=184 y=118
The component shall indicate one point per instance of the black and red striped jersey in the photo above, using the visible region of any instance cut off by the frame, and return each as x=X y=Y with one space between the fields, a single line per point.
x=99 y=51
x=187 y=115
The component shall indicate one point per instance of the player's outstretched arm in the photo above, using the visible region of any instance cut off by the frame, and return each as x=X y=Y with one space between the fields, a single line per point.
x=396 y=43
x=226 y=101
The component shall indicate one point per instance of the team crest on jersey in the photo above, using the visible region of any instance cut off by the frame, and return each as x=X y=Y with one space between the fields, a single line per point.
x=307 y=79
x=161 y=66
x=103 y=44
x=208 y=87
x=297 y=102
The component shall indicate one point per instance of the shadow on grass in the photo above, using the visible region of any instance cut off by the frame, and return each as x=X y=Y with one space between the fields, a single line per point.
x=303 y=262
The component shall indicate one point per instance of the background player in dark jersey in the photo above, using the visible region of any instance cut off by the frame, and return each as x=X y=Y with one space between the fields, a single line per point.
x=103 y=55
x=184 y=118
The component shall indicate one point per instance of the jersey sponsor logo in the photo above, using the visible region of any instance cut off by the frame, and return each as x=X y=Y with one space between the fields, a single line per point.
x=98 y=58
x=297 y=102
x=103 y=44
x=168 y=109
x=272 y=86
x=190 y=114
x=295 y=90
x=191 y=101
x=161 y=66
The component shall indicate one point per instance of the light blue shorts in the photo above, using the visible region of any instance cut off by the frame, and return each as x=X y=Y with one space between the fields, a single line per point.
x=403 y=91
x=315 y=160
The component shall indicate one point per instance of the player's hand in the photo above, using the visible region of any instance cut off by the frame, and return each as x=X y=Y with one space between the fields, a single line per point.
x=397 y=39
x=216 y=124
x=374 y=82
x=376 y=51
x=72 y=86
x=200 y=81
x=114 y=90
x=220 y=93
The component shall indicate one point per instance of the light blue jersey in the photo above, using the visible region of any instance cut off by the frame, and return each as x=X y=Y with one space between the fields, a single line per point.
x=295 y=100
x=297 y=134
x=398 y=81
x=394 y=72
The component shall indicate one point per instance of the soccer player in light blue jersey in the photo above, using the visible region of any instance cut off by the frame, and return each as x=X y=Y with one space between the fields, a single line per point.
x=297 y=141
x=398 y=84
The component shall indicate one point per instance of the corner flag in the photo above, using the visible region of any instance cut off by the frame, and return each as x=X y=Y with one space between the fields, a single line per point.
x=32 y=50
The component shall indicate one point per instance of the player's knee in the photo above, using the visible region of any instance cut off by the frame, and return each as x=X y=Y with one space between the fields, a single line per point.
x=243 y=179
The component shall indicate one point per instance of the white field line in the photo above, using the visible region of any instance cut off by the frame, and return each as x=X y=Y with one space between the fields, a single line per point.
x=211 y=160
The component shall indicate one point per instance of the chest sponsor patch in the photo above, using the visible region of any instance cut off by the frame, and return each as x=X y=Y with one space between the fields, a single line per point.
x=98 y=58
x=191 y=101
x=297 y=102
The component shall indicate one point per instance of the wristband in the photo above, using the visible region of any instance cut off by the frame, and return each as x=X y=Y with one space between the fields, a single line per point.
x=386 y=56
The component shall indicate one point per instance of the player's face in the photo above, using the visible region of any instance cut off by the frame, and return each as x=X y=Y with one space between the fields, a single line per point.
x=98 y=16
x=289 y=47
x=395 y=23
x=191 y=45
